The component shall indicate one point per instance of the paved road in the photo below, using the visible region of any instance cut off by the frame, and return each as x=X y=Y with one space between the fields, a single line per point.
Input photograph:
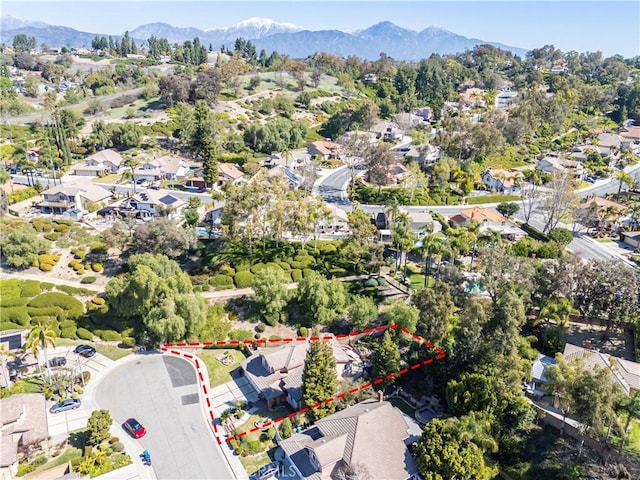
x=162 y=393
x=333 y=187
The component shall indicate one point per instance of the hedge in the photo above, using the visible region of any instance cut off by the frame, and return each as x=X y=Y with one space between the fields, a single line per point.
x=285 y=266
x=534 y=232
x=108 y=335
x=84 y=334
x=296 y=274
x=7 y=301
x=128 y=342
x=10 y=288
x=273 y=265
x=227 y=270
x=479 y=199
x=52 y=312
x=15 y=315
x=20 y=195
x=73 y=307
x=221 y=282
x=69 y=290
x=10 y=326
x=30 y=288
x=307 y=271
x=86 y=280
x=257 y=267
x=244 y=279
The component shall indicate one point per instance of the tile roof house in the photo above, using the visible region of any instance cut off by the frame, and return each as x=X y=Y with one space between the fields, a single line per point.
x=324 y=149
x=605 y=211
x=276 y=373
x=370 y=437
x=630 y=132
x=489 y=220
x=23 y=422
x=501 y=180
x=624 y=373
x=229 y=173
x=61 y=198
x=109 y=159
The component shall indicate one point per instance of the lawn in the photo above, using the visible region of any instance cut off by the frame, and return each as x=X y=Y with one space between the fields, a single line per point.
x=113 y=178
x=403 y=406
x=253 y=462
x=417 y=281
x=604 y=240
x=633 y=443
x=262 y=415
x=108 y=350
x=219 y=373
x=70 y=453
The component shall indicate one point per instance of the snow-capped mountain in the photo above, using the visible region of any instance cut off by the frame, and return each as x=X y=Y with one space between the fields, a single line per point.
x=286 y=38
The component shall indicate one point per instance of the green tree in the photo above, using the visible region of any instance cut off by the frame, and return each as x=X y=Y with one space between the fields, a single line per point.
x=474 y=392
x=22 y=246
x=164 y=235
x=436 y=307
x=508 y=209
x=271 y=293
x=41 y=337
x=630 y=406
x=386 y=360
x=361 y=228
x=24 y=43
x=323 y=299
x=319 y=380
x=362 y=311
x=98 y=425
x=157 y=292
x=403 y=315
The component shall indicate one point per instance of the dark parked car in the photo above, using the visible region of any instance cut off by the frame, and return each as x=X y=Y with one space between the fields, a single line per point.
x=65 y=405
x=86 y=351
x=57 y=362
x=267 y=472
x=134 y=428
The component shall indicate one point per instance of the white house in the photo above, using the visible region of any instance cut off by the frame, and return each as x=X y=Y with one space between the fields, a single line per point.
x=59 y=199
x=163 y=168
x=153 y=203
x=552 y=165
x=501 y=180
x=109 y=160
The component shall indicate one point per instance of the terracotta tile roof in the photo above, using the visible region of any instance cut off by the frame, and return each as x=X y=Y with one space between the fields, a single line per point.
x=230 y=170
x=481 y=214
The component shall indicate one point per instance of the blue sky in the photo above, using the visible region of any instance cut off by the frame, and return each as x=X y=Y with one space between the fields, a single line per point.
x=612 y=27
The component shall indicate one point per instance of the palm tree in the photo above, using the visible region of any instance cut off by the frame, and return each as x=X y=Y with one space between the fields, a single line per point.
x=490 y=238
x=432 y=244
x=623 y=177
x=132 y=163
x=40 y=337
x=474 y=428
x=403 y=236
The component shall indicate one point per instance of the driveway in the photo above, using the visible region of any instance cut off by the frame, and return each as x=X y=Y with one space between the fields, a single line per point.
x=62 y=423
x=161 y=392
x=226 y=395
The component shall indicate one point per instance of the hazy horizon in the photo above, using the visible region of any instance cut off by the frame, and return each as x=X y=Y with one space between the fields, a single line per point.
x=609 y=27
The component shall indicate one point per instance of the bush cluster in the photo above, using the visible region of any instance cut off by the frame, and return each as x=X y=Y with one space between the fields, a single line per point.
x=221 y=282
x=77 y=266
x=46 y=262
x=73 y=308
x=244 y=279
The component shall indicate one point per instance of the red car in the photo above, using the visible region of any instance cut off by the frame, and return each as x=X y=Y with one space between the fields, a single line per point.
x=134 y=428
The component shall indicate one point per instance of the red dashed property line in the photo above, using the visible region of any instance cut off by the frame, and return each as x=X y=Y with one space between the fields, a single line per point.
x=440 y=355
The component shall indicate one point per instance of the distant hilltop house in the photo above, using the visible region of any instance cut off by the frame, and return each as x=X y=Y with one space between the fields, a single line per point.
x=388 y=131
x=163 y=168
x=552 y=164
x=369 y=438
x=325 y=149
x=501 y=180
x=630 y=132
x=504 y=99
x=276 y=373
x=100 y=163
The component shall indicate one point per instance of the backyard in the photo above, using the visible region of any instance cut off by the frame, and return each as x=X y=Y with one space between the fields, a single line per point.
x=220 y=363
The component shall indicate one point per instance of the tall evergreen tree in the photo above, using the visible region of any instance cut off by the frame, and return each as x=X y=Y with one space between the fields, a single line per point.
x=319 y=380
x=386 y=360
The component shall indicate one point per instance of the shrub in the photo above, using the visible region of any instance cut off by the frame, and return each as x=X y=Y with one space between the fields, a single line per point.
x=96 y=267
x=128 y=342
x=73 y=307
x=108 y=335
x=10 y=301
x=45 y=267
x=20 y=195
x=17 y=315
x=84 y=334
x=29 y=288
x=69 y=332
x=79 y=253
x=296 y=274
x=306 y=272
x=273 y=265
x=221 y=282
x=69 y=290
x=257 y=267
x=61 y=228
x=244 y=279
x=227 y=270
x=118 y=447
x=98 y=300
x=284 y=266
x=260 y=327
x=80 y=271
x=98 y=247
x=86 y=280
x=303 y=331
x=87 y=266
x=67 y=323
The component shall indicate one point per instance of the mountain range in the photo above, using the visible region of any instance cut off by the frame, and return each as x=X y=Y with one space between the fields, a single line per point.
x=285 y=38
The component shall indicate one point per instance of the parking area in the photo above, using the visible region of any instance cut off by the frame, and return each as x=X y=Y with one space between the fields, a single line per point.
x=60 y=424
x=225 y=396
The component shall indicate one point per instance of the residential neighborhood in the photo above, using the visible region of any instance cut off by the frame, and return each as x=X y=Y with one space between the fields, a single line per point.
x=220 y=260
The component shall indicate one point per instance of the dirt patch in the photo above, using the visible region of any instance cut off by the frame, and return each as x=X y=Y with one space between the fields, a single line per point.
x=595 y=336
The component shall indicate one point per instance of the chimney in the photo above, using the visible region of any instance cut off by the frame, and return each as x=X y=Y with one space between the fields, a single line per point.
x=380 y=396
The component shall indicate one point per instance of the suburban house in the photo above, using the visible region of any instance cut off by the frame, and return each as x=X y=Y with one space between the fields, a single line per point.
x=292 y=160
x=388 y=131
x=631 y=238
x=426 y=154
x=408 y=120
x=552 y=165
x=370 y=78
x=276 y=373
x=369 y=439
x=229 y=173
x=152 y=203
x=538 y=376
x=163 y=168
x=489 y=220
x=501 y=180
x=504 y=99
x=23 y=426
x=630 y=132
x=324 y=149
x=59 y=199
x=605 y=213
x=336 y=223
x=196 y=184
x=624 y=373
x=421 y=221
x=295 y=182
x=109 y=159
x=425 y=113
x=472 y=98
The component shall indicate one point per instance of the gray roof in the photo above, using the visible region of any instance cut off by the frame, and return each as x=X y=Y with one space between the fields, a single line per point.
x=22 y=417
x=106 y=156
x=370 y=434
x=539 y=366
